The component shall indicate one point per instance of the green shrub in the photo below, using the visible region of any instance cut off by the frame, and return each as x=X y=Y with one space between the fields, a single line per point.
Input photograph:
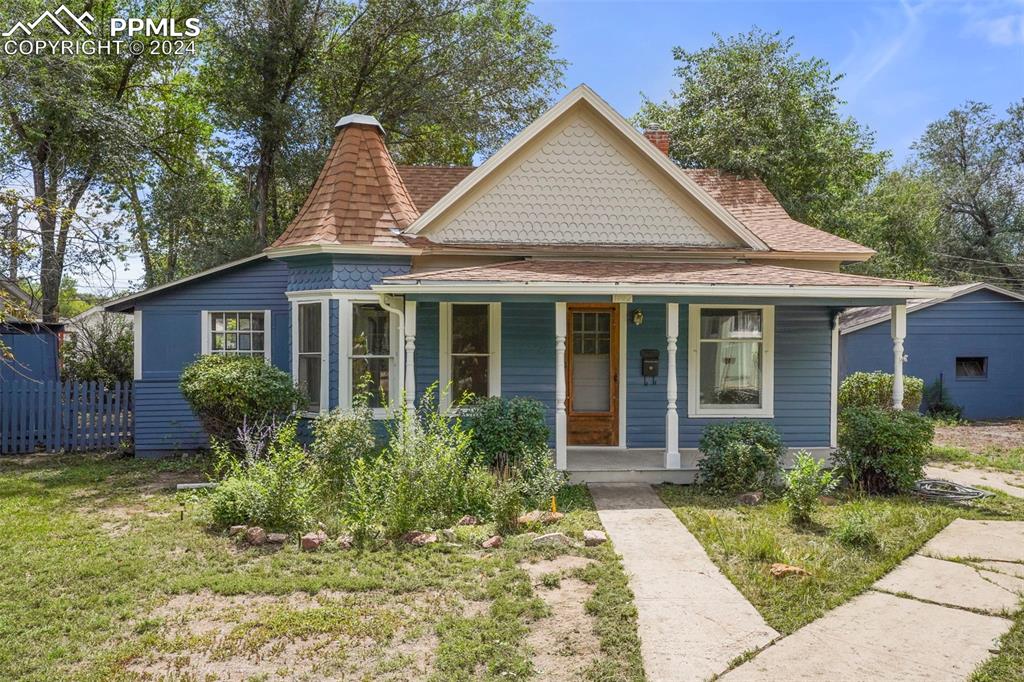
x=874 y=389
x=805 y=483
x=739 y=456
x=226 y=392
x=938 y=404
x=277 y=491
x=506 y=505
x=856 y=530
x=340 y=439
x=539 y=479
x=883 y=450
x=505 y=428
x=425 y=477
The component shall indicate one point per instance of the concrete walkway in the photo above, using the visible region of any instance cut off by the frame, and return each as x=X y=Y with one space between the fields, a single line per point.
x=929 y=619
x=692 y=621
x=1009 y=483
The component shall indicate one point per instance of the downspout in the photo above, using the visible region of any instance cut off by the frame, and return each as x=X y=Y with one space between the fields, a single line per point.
x=396 y=305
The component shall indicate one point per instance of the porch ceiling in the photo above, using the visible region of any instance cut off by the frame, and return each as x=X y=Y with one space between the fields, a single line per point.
x=659 y=278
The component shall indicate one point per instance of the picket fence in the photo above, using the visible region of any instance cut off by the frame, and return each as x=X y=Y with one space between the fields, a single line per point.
x=73 y=416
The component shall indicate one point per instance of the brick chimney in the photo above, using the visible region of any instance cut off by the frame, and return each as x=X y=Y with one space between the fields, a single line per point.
x=659 y=138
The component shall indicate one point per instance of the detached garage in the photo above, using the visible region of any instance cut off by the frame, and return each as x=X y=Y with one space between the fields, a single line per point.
x=973 y=342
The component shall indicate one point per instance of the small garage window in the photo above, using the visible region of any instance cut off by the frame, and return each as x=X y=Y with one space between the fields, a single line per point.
x=971 y=367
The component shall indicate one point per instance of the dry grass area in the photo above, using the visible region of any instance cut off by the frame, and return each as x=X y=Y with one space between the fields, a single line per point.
x=994 y=445
x=108 y=576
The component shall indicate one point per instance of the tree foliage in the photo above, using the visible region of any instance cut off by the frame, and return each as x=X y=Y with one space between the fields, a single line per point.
x=749 y=104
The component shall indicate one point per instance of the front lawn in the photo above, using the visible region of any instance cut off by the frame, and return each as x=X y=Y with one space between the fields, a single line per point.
x=993 y=445
x=744 y=541
x=105 y=575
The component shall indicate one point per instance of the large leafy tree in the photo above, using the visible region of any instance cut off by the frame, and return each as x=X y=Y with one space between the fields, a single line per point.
x=751 y=105
x=976 y=161
x=447 y=78
x=72 y=124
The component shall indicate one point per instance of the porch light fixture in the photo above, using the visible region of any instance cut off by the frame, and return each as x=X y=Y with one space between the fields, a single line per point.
x=638 y=317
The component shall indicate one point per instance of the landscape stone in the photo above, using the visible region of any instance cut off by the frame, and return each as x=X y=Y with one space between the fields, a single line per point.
x=344 y=542
x=752 y=498
x=493 y=542
x=312 y=541
x=468 y=520
x=784 y=570
x=554 y=539
x=449 y=535
x=592 y=538
x=418 y=538
x=235 y=530
x=954 y=584
x=277 y=538
x=255 y=536
x=531 y=517
x=551 y=517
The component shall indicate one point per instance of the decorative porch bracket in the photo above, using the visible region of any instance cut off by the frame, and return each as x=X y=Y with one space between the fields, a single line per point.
x=899 y=333
x=561 y=453
x=671 y=416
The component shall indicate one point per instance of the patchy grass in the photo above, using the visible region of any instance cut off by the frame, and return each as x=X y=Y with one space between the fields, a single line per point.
x=994 y=445
x=1009 y=663
x=745 y=541
x=992 y=457
x=106 y=575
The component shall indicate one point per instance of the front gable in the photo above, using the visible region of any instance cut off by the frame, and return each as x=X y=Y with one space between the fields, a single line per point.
x=581 y=175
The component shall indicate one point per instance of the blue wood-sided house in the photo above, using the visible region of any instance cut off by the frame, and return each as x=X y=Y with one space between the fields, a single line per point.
x=639 y=302
x=30 y=348
x=972 y=342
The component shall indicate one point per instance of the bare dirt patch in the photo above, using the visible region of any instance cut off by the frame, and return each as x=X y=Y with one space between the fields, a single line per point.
x=980 y=436
x=564 y=644
x=327 y=636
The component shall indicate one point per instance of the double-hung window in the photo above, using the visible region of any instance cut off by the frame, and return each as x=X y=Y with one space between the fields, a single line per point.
x=731 y=361
x=470 y=351
x=372 y=358
x=310 y=331
x=245 y=333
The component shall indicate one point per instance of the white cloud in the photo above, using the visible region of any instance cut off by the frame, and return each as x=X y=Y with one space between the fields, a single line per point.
x=1004 y=30
x=878 y=44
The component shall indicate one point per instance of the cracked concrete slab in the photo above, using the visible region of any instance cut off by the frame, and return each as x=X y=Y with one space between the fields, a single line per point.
x=954 y=584
x=992 y=540
x=1011 y=484
x=692 y=621
x=1006 y=567
x=880 y=637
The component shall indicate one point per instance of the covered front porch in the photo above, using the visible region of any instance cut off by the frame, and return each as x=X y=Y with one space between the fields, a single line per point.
x=625 y=402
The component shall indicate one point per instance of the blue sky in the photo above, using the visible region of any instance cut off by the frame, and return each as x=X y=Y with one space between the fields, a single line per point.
x=906 y=64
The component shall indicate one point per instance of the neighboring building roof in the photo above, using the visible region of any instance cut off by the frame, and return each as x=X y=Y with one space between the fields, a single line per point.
x=359 y=198
x=14 y=290
x=749 y=200
x=609 y=272
x=125 y=304
x=856 y=319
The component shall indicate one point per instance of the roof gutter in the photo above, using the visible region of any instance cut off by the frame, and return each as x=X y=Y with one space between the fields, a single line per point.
x=894 y=292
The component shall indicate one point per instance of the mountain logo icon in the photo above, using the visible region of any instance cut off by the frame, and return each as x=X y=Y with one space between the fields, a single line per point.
x=70 y=19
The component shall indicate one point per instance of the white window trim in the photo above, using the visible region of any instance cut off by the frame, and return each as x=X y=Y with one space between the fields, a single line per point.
x=445 y=350
x=767 y=407
x=204 y=324
x=345 y=317
x=325 y=349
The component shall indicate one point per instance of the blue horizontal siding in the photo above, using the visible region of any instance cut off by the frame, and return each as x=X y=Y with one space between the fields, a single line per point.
x=528 y=354
x=35 y=351
x=982 y=323
x=163 y=419
x=428 y=344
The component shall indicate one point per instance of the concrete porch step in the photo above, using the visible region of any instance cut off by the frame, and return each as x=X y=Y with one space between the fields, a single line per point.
x=651 y=476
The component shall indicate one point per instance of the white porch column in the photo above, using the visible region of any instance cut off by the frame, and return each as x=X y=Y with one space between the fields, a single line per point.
x=671 y=415
x=410 y=355
x=561 y=454
x=899 y=332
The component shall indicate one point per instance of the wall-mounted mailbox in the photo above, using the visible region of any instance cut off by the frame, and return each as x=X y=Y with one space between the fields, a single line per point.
x=649 y=365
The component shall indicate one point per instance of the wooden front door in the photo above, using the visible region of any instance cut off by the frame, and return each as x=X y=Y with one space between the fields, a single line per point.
x=593 y=381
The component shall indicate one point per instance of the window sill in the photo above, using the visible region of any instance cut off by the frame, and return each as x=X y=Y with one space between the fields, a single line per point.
x=731 y=414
